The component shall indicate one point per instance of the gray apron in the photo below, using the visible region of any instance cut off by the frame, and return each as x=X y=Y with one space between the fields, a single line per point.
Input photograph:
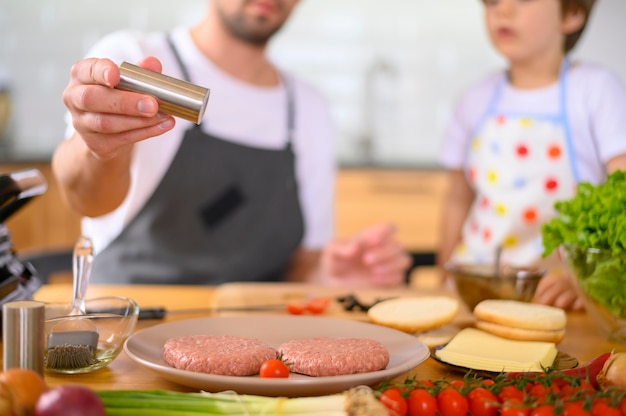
x=223 y=212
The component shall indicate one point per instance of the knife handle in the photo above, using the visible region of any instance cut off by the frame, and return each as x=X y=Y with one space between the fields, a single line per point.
x=151 y=313
x=144 y=313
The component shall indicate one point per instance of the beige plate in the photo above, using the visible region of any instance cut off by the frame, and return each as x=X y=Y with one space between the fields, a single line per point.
x=406 y=352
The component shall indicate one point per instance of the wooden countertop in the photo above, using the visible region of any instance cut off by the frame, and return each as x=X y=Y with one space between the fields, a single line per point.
x=582 y=340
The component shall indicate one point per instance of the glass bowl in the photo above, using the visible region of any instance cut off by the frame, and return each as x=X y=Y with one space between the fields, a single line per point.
x=600 y=279
x=477 y=282
x=113 y=318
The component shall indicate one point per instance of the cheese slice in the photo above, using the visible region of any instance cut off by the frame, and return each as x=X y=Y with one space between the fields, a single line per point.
x=479 y=350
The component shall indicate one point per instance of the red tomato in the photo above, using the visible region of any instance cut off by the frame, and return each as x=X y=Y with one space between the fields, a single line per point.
x=586 y=387
x=602 y=408
x=510 y=392
x=295 y=308
x=538 y=391
x=425 y=383
x=622 y=406
x=421 y=403
x=482 y=402
x=393 y=400
x=543 y=410
x=457 y=383
x=514 y=407
x=317 y=305
x=451 y=403
x=575 y=409
x=274 y=369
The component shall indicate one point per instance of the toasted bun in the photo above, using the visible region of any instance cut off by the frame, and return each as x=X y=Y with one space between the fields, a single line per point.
x=520 y=334
x=522 y=315
x=414 y=314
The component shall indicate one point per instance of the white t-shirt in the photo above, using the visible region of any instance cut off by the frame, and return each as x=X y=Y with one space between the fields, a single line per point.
x=249 y=115
x=596 y=110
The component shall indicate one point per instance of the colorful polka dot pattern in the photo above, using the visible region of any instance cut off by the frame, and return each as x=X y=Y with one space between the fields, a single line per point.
x=518 y=167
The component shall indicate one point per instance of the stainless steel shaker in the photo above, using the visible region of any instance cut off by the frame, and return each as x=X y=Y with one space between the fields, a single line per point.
x=23 y=334
x=176 y=97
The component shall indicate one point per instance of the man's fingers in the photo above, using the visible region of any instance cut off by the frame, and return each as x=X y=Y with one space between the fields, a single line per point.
x=151 y=64
x=96 y=71
x=376 y=234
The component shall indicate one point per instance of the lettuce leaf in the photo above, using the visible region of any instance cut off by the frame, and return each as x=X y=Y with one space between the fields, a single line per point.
x=594 y=218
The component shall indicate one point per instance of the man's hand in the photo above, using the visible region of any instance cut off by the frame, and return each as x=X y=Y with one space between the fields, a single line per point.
x=110 y=121
x=371 y=258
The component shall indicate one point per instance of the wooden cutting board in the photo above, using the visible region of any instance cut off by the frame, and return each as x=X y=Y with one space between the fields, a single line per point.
x=252 y=294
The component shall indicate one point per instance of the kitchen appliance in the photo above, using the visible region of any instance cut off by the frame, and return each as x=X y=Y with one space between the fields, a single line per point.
x=5 y=110
x=18 y=278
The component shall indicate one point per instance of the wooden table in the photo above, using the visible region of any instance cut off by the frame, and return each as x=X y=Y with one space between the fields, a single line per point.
x=582 y=340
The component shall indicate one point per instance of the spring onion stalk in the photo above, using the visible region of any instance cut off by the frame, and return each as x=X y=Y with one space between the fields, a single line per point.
x=359 y=401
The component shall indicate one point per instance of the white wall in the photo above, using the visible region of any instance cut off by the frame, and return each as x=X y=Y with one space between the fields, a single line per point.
x=390 y=69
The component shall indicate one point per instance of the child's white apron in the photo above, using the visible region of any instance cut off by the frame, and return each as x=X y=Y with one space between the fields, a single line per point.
x=519 y=165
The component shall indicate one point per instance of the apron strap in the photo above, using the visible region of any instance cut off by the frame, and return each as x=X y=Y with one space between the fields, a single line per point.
x=291 y=106
x=569 y=141
x=182 y=66
x=291 y=109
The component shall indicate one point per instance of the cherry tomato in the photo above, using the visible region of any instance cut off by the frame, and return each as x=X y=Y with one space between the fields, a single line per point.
x=487 y=382
x=482 y=402
x=586 y=387
x=510 y=392
x=274 y=369
x=575 y=409
x=393 y=400
x=317 y=305
x=538 y=391
x=601 y=408
x=543 y=410
x=457 y=383
x=514 y=407
x=622 y=406
x=426 y=383
x=451 y=403
x=295 y=308
x=421 y=403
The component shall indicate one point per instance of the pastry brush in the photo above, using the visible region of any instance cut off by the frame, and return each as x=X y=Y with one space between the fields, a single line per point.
x=72 y=343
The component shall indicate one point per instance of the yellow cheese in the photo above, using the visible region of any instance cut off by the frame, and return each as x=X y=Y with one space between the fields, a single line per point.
x=479 y=350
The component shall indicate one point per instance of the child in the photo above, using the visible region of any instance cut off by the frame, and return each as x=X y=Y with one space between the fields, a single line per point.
x=522 y=138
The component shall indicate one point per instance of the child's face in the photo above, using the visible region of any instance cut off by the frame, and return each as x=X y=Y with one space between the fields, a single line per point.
x=525 y=31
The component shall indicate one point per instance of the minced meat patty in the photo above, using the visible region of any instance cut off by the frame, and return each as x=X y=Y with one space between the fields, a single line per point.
x=217 y=354
x=327 y=356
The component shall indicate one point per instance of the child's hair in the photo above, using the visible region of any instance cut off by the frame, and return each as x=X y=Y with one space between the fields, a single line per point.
x=584 y=6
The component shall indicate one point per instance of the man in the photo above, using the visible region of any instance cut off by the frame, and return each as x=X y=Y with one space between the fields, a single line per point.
x=247 y=195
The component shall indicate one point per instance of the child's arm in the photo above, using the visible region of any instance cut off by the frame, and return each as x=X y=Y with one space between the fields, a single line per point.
x=457 y=202
x=616 y=163
x=555 y=289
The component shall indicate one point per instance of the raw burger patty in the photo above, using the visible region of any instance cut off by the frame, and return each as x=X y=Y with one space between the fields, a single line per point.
x=217 y=354
x=327 y=356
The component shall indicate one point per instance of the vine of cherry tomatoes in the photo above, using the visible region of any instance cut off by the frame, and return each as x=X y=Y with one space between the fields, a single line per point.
x=537 y=395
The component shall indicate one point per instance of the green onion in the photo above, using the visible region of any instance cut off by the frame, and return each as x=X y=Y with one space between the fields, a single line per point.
x=358 y=401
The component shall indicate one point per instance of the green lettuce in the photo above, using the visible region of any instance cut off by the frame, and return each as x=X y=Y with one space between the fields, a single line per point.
x=594 y=218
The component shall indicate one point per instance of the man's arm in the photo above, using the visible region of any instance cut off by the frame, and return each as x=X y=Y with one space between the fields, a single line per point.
x=89 y=186
x=93 y=166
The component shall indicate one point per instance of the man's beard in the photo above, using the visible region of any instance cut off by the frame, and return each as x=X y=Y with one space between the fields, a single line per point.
x=256 y=32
